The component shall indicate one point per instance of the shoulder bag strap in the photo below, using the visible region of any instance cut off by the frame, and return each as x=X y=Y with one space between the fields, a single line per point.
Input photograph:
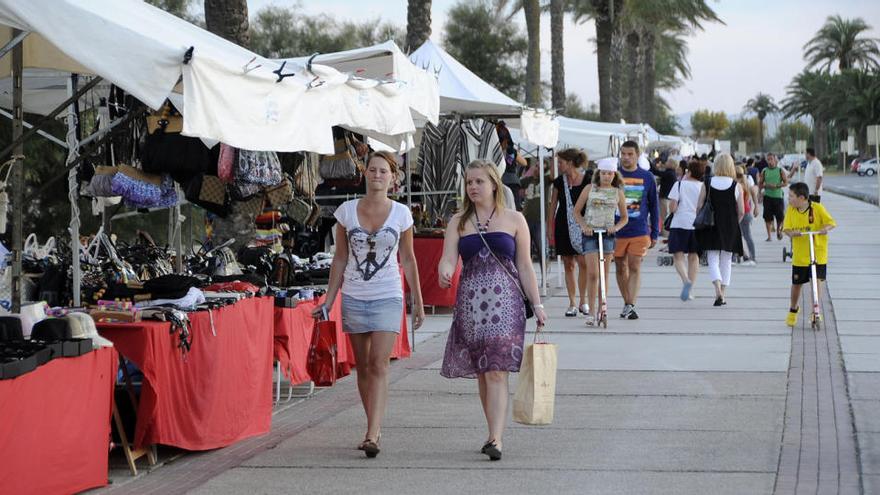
x=518 y=283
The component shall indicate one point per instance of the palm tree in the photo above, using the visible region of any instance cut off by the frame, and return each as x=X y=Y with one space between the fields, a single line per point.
x=840 y=40
x=606 y=14
x=807 y=96
x=557 y=54
x=229 y=20
x=532 y=11
x=418 y=24
x=761 y=105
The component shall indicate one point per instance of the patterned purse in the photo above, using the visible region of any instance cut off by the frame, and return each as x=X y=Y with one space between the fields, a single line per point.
x=280 y=194
x=574 y=230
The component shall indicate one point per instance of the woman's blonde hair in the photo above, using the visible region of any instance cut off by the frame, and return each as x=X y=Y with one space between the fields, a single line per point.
x=723 y=166
x=468 y=208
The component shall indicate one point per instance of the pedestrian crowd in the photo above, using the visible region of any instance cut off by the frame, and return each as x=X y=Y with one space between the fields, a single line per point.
x=613 y=210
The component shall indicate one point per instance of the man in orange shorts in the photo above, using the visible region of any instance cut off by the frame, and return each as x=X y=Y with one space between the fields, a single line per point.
x=640 y=233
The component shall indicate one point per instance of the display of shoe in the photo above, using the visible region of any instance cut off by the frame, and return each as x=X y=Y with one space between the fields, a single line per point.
x=626 y=309
x=571 y=312
x=632 y=315
x=791 y=317
x=584 y=309
x=686 y=291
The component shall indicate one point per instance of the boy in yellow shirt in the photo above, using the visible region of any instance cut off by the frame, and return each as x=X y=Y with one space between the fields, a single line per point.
x=801 y=216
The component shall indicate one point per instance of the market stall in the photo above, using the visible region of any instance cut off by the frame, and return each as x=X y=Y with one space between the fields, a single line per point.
x=214 y=394
x=57 y=417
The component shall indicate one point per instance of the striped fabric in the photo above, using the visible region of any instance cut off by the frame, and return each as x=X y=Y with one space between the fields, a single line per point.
x=445 y=150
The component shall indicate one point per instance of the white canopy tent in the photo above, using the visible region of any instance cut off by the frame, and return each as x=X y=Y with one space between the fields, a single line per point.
x=141 y=49
x=230 y=94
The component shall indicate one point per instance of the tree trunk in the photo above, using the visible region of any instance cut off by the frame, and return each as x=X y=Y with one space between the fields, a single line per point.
x=603 y=53
x=618 y=46
x=557 y=54
x=761 y=137
x=532 y=10
x=649 y=78
x=418 y=24
x=820 y=137
x=633 y=77
x=229 y=20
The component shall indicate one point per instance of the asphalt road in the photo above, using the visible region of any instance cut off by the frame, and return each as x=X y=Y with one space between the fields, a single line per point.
x=853 y=185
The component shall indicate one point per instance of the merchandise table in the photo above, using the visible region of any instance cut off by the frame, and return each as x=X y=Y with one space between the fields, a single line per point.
x=293 y=335
x=428 y=253
x=216 y=394
x=55 y=428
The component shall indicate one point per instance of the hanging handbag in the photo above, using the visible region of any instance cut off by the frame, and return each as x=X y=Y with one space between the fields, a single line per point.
x=299 y=210
x=280 y=194
x=705 y=218
x=258 y=167
x=226 y=163
x=343 y=163
x=530 y=311
x=210 y=193
x=322 y=360
x=574 y=230
x=667 y=224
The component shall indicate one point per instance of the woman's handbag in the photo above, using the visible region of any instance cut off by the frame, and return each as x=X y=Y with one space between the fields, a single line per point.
x=530 y=311
x=321 y=361
x=706 y=216
x=343 y=163
x=667 y=224
x=574 y=230
x=533 y=402
x=280 y=194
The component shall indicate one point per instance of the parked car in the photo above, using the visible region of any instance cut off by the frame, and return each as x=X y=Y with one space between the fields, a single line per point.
x=868 y=167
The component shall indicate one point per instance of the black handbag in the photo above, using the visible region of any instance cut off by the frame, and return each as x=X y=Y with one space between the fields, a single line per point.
x=706 y=216
x=530 y=311
x=667 y=224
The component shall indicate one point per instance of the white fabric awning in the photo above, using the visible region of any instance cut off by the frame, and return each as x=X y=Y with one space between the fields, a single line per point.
x=463 y=93
x=140 y=48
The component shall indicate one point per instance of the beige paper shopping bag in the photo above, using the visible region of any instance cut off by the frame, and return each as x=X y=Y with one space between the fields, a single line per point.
x=536 y=390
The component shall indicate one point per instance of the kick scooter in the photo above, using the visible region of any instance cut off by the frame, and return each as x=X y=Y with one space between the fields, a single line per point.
x=602 y=316
x=815 y=316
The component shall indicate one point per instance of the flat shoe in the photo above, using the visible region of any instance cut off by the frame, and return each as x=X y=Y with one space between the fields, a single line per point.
x=584 y=309
x=571 y=312
x=718 y=302
x=371 y=448
x=492 y=450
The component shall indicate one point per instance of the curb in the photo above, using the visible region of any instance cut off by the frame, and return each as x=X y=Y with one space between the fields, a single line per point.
x=867 y=198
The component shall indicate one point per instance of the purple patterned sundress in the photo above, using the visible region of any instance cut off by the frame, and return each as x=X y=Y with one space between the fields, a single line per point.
x=489 y=319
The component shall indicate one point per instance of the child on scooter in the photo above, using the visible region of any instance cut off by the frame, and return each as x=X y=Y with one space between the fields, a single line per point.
x=604 y=199
x=801 y=216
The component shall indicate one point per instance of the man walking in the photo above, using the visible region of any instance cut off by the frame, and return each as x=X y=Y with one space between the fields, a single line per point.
x=640 y=233
x=771 y=181
x=813 y=175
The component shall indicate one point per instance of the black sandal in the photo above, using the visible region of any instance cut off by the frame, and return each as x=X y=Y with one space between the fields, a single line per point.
x=371 y=448
x=491 y=449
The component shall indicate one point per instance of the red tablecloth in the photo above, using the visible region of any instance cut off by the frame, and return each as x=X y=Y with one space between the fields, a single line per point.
x=293 y=333
x=55 y=425
x=428 y=252
x=217 y=393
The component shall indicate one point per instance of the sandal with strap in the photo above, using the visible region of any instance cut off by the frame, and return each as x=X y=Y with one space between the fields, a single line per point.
x=367 y=439
x=491 y=449
x=371 y=448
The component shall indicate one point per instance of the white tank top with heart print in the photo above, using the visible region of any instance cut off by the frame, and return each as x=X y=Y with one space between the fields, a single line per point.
x=372 y=271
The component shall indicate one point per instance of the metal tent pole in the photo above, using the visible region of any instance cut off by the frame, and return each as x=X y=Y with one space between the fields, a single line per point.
x=17 y=171
x=543 y=215
x=559 y=270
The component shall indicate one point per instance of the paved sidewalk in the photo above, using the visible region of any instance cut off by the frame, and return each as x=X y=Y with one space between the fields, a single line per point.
x=690 y=399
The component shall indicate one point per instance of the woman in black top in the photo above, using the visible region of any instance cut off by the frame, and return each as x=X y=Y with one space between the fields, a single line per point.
x=724 y=239
x=571 y=163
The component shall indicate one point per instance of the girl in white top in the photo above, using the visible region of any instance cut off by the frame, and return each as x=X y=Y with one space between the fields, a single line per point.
x=683 y=199
x=368 y=235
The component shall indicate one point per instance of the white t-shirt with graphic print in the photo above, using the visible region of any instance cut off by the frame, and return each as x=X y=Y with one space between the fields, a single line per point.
x=372 y=270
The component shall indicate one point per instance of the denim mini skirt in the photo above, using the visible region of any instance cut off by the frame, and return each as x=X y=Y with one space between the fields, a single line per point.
x=377 y=315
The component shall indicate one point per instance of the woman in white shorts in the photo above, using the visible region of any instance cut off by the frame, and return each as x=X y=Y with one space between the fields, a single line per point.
x=368 y=234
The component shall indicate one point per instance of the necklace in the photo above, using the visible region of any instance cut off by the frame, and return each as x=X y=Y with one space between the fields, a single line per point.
x=483 y=227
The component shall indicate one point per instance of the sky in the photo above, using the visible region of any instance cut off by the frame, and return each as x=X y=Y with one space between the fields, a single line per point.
x=758 y=49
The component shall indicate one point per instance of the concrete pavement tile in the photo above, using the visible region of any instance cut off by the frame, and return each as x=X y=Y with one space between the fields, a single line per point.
x=414 y=410
x=494 y=478
x=864 y=385
x=866 y=417
x=869 y=445
x=861 y=353
x=534 y=447
x=645 y=383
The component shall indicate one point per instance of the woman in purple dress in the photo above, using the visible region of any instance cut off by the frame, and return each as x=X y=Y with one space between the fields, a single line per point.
x=489 y=320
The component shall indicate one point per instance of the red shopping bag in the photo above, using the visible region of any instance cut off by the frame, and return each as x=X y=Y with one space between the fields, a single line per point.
x=321 y=363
